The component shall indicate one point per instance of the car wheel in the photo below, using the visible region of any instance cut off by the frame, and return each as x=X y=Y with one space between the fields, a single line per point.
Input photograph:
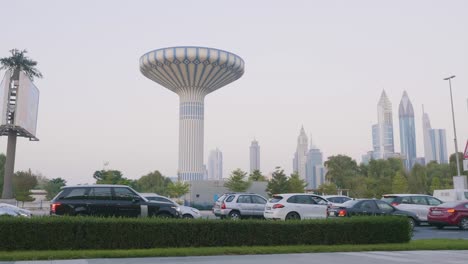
x=234 y=215
x=187 y=216
x=464 y=224
x=412 y=222
x=293 y=216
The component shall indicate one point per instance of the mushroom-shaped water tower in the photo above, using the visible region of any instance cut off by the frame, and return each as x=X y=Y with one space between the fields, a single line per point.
x=192 y=73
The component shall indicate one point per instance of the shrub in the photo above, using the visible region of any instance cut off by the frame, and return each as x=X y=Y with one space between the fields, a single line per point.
x=53 y=233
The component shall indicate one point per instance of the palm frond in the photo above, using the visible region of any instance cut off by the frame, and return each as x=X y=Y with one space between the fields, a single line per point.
x=18 y=61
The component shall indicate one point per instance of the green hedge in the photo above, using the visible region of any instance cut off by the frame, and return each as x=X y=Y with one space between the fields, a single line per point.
x=124 y=233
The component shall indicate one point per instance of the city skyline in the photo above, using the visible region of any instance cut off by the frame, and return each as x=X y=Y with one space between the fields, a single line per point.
x=318 y=64
x=407 y=132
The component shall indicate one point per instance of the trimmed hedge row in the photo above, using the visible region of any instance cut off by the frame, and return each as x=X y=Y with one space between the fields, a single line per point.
x=52 y=233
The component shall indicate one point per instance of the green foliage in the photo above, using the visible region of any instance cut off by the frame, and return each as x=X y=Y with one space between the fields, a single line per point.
x=236 y=182
x=400 y=183
x=453 y=164
x=256 y=175
x=327 y=188
x=417 y=180
x=341 y=169
x=178 y=189
x=111 y=177
x=435 y=185
x=153 y=182
x=442 y=171
x=278 y=183
x=18 y=61
x=296 y=184
x=75 y=233
x=52 y=187
x=23 y=182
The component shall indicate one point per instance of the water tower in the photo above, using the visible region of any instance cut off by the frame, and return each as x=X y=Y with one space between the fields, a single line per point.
x=192 y=73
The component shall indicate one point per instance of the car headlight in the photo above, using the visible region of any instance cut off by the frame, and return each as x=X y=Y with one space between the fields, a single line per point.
x=177 y=208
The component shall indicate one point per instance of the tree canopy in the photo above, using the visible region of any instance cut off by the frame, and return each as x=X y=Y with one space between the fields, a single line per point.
x=18 y=61
x=278 y=183
x=237 y=181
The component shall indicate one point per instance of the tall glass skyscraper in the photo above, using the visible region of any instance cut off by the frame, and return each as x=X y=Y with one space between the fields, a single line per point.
x=300 y=157
x=407 y=131
x=254 y=156
x=435 y=142
x=382 y=132
x=215 y=165
x=315 y=171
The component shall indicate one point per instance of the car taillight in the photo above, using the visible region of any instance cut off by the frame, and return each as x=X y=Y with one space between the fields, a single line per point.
x=223 y=206
x=451 y=210
x=395 y=203
x=342 y=212
x=276 y=206
x=53 y=207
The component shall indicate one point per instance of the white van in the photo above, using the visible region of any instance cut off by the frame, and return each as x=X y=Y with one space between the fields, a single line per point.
x=451 y=195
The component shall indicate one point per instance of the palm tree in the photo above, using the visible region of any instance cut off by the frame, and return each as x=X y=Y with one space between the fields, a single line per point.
x=16 y=63
x=19 y=62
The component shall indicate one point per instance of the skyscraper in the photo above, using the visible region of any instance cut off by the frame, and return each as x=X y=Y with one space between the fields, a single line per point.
x=428 y=150
x=254 y=156
x=315 y=171
x=300 y=157
x=215 y=165
x=439 y=145
x=407 y=131
x=382 y=132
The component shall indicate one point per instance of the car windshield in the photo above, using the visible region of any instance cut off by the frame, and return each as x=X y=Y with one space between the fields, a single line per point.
x=221 y=198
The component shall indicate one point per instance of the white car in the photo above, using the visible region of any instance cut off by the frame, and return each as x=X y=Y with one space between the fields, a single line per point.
x=416 y=203
x=291 y=206
x=185 y=211
x=11 y=210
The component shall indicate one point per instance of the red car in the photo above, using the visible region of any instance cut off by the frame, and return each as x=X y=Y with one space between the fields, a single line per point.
x=449 y=214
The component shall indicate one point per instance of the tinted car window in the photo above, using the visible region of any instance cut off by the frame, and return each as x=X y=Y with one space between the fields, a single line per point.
x=384 y=206
x=100 y=193
x=366 y=205
x=258 y=200
x=221 y=198
x=388 y=199
x=350 y=203
x=338 y=199
x=419 y=200
x=318 y=200
x=405 y=200
x=301 y=199
x=244 y=199
x=76 y=194
x=124 y=194
x=230 y=198
x=276 y=199
x=433 y=201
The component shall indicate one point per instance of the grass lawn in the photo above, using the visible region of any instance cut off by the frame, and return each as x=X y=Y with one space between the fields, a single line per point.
x=431 y=244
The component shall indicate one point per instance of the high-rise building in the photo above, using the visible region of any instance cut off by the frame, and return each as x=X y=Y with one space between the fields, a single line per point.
x=192 y=73
x=254 y=156
x=407 y=131
x=438 y=145
x=315 y=171
x=300 y=157
x=215 y=165
x=382 y=132
x=435 y=143
x=428 y=150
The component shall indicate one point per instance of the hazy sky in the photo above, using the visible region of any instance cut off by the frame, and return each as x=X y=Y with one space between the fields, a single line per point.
x=321 y=64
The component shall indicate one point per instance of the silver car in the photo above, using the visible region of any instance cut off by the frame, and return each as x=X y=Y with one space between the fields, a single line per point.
x=11 y=210
x=239 y=205
x=185 y=211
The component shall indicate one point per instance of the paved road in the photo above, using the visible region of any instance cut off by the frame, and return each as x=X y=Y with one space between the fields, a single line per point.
x=429 y=232
x=423 y=257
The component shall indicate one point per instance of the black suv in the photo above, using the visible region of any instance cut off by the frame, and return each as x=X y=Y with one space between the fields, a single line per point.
x=108 y=200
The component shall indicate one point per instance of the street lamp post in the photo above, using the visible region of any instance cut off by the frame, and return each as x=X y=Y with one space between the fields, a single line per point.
x=453 y=118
